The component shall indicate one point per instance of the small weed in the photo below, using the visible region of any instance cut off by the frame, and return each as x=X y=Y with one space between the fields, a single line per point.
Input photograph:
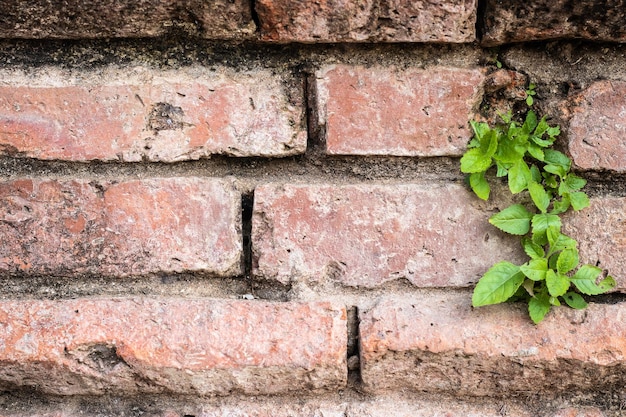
x=522 y=152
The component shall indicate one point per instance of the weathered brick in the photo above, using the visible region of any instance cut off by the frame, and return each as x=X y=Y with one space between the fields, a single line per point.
x=391 y=111
x=364 y=235
x=68 y=19
x=438 y=343
x=72 y=227
x=579 y=412
x=367 y=21
x=601 y=234
x=598 y=126
x=190 y=346
x=516 y=21
x=170 y=117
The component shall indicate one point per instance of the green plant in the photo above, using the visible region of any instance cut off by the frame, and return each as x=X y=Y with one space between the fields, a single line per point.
x=522 y=152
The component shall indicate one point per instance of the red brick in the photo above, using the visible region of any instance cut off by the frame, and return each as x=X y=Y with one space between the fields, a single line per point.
x=391 y=111
x=601 y=234
x=526 y=21
x=190 y=346
x=136 y=227
x=365 y=235
x=367 y=21
x=579 y=412
x=171 y=118
x=219 y=19
x=598 y=126
x=438 y=343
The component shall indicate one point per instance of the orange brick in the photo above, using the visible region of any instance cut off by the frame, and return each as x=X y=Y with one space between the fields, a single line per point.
x=365 y=235
x=438 y=343
x=600 y=231
x=187 y=346
x=367 y=21
x=67 y=228
x=173 y=118
x=597 y=128
x=391 y=111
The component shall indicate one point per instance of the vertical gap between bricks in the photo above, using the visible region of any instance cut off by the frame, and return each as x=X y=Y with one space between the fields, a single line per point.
x=481 y=9
x=352 y=351
x=247 y=203
x=255 y=16
x=315 y=136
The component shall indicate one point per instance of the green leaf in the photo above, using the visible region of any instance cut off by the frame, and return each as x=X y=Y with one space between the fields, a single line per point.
x=502 y=170
x=514 y=219
x=538 y=307
x=553 y=233
x=531 y=122
x=498 y=284
x=567 y=260
x=541 y=222
x=479 y=185
x=563 y=242
x=555 y=169
x=561 y=206
x=535 y=269
x=555 y=157
x=579 y=200
x=480 y=129
x=575 y=300
x=554 y=131
x=519 y=174
x=489 y=143
x=539 y=196
x=541 y=127
x=535 y=174
x=585 y=280
x=529 y=100
x=475 y=161
x=557 y=284
x=573 y=183
x=533 y=250
x=536 y=152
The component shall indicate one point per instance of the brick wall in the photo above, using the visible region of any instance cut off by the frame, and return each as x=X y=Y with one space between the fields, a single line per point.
x=234 y=208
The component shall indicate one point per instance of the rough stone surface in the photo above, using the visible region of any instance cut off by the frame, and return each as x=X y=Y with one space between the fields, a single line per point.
x=365 y=235
x=439 y=343
x=190 y=346
x=598 y=126
x=169 y=117
x=74 y=19
x=516 y=21
x=601 y=234
x=72 y=227
x=367 y=21
x=391 y=111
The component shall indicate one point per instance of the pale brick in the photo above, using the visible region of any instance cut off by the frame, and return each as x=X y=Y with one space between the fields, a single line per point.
x=187 y=346
x=601 y=234
x=598 y=126
x=74 y=19
x=526 y=21
x=365 y=235
x=73 y=227
x=438 y=343
x=367 y=21
x=172 y=117
x=392 y=111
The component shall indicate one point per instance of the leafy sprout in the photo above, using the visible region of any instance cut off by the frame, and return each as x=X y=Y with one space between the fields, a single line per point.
x=522 y=152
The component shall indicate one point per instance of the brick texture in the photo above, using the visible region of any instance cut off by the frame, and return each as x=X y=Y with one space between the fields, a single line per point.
x=601 y=233
x=366 y=21
x=515 y=21
x=439 y=343
x=365 y=235
x=168 y=118
x=391 y=111
x=71 y=19
x=598 y=126
x=74 y=227
x=95 y=346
